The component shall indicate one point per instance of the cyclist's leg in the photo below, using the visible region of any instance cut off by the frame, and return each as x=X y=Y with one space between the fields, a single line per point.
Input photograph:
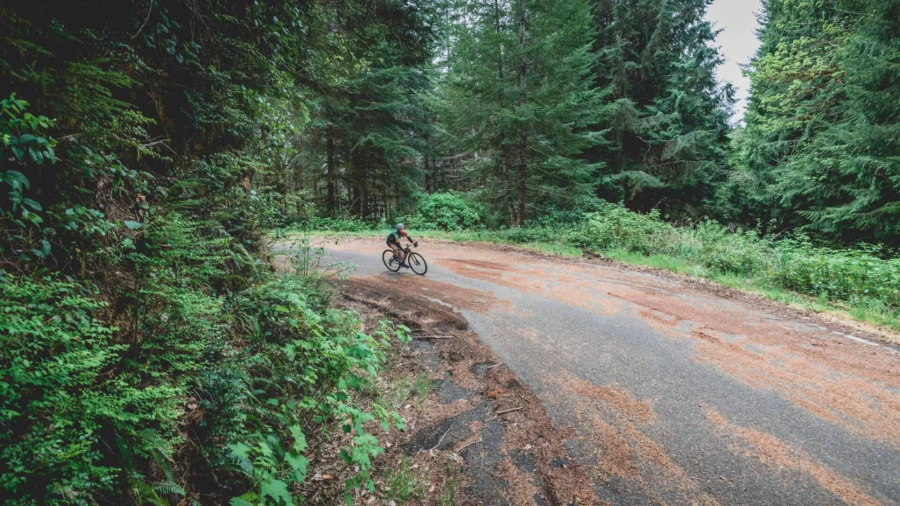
x=404 y=255
x=396 y=250
x=401 y=253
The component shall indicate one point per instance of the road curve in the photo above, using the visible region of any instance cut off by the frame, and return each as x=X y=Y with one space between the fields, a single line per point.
x=678 y=395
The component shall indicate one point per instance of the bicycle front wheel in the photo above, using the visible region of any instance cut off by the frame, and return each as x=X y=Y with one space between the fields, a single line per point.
x=390 y=261
x=417 y=263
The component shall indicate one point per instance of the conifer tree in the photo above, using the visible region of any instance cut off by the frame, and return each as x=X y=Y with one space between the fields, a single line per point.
x=796 y=86
x=365 y=140
x=669 y=123
x=822 y=125
x=519 y=97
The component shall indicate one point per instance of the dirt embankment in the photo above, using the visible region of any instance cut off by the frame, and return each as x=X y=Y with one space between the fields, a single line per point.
x=491 y=421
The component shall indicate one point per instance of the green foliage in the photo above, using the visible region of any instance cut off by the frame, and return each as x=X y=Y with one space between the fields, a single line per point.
x=335 y=225
x=146 y=344
x=822 y=123
x=52 y=349
x=69 y=381
x=309 y=366
x=617 y=227
x=24 y=137
x=446 y=211
x=271 y=468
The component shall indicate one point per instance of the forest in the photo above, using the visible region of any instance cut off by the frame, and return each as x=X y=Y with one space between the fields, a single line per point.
x=151 y=354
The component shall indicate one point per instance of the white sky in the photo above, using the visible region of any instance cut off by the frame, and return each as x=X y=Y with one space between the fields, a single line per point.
x=738 y=42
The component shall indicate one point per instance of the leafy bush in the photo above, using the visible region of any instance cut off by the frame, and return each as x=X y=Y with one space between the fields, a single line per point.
x=47 y=330
x=856 y=276
x=311 y=364
x=62 y=393
x=617 y=227
x=448 y=211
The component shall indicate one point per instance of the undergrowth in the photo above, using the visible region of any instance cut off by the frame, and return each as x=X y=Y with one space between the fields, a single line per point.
x=149 y=353
x=211 y=384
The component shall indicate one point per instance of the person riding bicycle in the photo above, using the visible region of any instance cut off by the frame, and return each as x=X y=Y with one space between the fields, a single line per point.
x=393 y=242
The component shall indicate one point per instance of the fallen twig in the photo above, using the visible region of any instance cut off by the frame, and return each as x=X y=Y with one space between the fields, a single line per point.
x=470 y=443
x=432 y=337
x=509 y=411
x=495 y=365
x=441 y=440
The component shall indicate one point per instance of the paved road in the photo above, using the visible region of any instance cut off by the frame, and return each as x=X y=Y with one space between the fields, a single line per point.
x=679 y=395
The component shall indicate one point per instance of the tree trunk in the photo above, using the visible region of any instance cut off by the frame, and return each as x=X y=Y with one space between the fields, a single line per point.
x=522 y=174
x=358 y=207
x=429 y=177
x=504 y=155
x=330 y=204
x=522 y=171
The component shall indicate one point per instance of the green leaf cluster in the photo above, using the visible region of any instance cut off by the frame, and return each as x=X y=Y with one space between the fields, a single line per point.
x=820 y=144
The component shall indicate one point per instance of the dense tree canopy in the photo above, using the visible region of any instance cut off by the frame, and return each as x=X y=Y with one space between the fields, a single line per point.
x=669 y=123
x=821 y=140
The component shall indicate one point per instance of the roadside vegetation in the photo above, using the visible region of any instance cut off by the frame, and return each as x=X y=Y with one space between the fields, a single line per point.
x=149 y=352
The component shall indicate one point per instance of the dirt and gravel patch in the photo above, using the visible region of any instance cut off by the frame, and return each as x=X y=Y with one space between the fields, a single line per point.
x=769 y=450
x=487 y=419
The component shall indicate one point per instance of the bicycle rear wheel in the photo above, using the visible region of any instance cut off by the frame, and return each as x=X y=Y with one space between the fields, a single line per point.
x=390 y=261
x=417 y=263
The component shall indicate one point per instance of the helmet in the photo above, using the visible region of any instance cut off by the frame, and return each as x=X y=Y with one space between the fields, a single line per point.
x=400 y=226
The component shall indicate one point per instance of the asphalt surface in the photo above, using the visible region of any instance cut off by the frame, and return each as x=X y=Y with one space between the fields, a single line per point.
x=678 y=395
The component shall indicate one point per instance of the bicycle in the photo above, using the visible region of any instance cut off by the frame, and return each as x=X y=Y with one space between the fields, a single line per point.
x=415 y=261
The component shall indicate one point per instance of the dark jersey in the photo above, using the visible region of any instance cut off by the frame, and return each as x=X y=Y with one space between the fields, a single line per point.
x=394 y=237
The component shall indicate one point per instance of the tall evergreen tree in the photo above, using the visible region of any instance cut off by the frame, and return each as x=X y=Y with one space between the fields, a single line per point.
x=669 y=123
x=363 y=149
x=519 y=97
x=796 y=87
x=822 y=125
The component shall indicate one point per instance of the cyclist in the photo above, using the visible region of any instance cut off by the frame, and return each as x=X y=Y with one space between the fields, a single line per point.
x=393 y=242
